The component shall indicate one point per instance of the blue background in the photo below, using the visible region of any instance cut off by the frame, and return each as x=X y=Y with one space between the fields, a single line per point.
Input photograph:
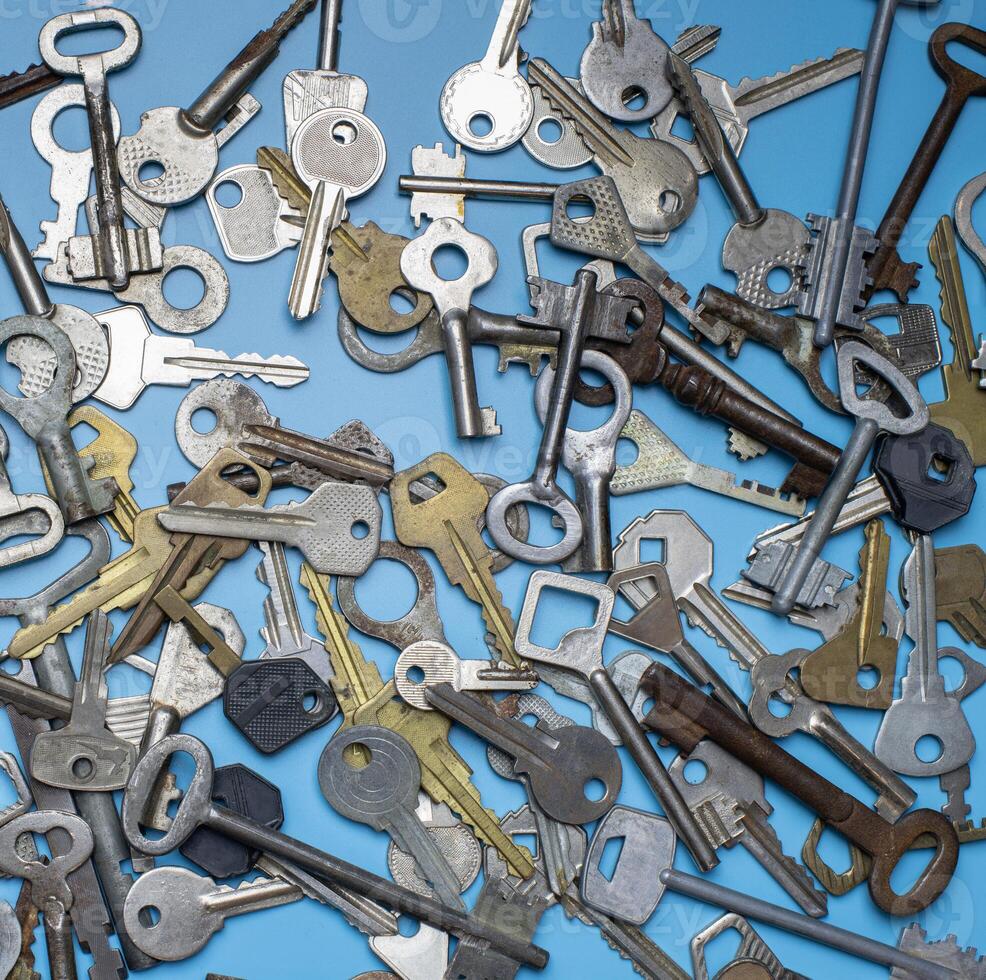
x=406 y=51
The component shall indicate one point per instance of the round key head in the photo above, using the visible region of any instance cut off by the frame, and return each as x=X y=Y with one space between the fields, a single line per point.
x=193 y=810
x=474 y=96
x=420 y=665
x=367 y=772
x=916 y=417
x=929 y=477
x=340 y=146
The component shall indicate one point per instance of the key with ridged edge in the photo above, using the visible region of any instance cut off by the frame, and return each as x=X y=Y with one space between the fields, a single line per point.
x=19 y=85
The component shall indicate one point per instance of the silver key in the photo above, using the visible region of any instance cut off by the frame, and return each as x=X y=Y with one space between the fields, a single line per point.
x=425 y=954
x=688 y=557
x=306 y=91
x=433 y=161
x=924 y=708
x=140 y=358
x=71 y=170
x=340 y=154
x=660 y=463
x=590 y=456
x=283 y=631
x=656 y=181
x=491 y=91
x=752 y=953
x=736 y=105
x=623 y=67
x=193 y=908
x=433 y=662
x=452 y=301
x=336 y=527
x=371 y=775
x=731 y=807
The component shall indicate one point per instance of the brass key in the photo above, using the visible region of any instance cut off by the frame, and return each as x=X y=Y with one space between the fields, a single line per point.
x=960 y=587
x=447 y=525
x=191 y=552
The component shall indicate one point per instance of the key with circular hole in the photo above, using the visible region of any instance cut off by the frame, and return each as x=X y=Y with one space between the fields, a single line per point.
x=685 y=715
x=197 y=810
x=371 y=775
x=182 y=141
x=437 y=663
x=580 y=651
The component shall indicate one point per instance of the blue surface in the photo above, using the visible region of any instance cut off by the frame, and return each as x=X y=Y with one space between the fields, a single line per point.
x=406 y=51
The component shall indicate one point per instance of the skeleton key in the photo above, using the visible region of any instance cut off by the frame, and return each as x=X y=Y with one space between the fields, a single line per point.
x=84 y=755
x=182 y=141
x=436 y=663
x=492 y=90
x=736 y=105
x=656 y=181
x=886 y=268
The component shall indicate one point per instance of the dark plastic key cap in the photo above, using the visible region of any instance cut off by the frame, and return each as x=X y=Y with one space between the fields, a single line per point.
x=885 y=267
x=685 y=715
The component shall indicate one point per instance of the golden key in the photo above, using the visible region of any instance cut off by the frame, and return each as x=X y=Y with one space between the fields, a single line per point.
x=447 y=524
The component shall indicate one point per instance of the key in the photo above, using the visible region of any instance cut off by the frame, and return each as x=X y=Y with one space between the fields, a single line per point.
x=660 y=463
x=688 y=558
x=13 y=507
x=960 y=588
x=924 y=707
x=452 y=300
x=50 y=892
x=309 y=90
x=197 y=810
x=671 y=182
x=736 y=105
x=731 y=807
x=84 y=755
x=580 y=651
x=435 y=162
x=961 y=411
x=886 y=843
x=142 y=359
x=10 y=939
x=336 y=528
x=943 y=952
x=572 y=310
x=19 y=85
x=559 y=764
x=967 y=197
x=437 y=663
x=189 y=553
x=113 y=252
x=622 y=67
x=590 y=456
x=871 y=419
x=283 y=631
x=365 y=699
x=886 y=268
x=71 y=170
x=383 y=792
x=491 y=91
x=446 y=524
x=752 y=955
x=762 y=239
x=182 y=141
x=340 y=154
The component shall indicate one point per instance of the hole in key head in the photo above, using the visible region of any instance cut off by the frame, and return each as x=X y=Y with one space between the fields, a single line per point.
x=311 y=702
x=530 y=841
x=634 y=97
x=388 y=591
x=682 y=128
x=652 y=549
x=150 y=173
x=558 y=612
x=868 y=677
x=966 y=55
x=416 y=674
x=360 y=530
x=550 y=131
x=669 y=202
x=594 y=789
x=149 y=916
x=90 y=40
x=579 y=207
x=402 y=301
x=610 y=857
x=344 y=132
x=204 y=421
x=450 y=262
x=779 y=280
x=481 y=124
x=929 y=748
x=777 y=707
x=183 y=288
x=83 y=768
x=357 y=755
x=627 y=452
x=228 y=194
x=434 y=483
x=940 y=468
x=952 y=671
x=695 y=772
x=70 y=129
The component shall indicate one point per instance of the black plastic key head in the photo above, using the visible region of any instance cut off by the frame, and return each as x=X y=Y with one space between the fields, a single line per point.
x=275 y=702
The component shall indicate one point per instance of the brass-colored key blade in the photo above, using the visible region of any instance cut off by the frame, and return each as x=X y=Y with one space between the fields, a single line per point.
x=960 y=589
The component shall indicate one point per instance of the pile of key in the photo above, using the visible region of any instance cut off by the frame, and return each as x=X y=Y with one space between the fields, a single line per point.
x=389 y=762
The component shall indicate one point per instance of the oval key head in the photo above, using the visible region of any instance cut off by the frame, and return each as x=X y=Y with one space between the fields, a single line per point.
x=193 y=810
x=965 y=81
x=71 y=23
x=917 y=416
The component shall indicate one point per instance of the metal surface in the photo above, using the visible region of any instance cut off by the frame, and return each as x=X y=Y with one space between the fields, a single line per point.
x=964 y=204
x=752 y=950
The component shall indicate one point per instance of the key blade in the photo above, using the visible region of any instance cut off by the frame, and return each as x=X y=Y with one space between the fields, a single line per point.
x=954 y=304
x=202 y=364
x=325 y=213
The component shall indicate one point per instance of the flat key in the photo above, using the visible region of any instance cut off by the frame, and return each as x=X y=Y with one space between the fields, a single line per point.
x=438 y=663
x=558 y=763
x=84 y=755
x=336 y=528
x=19 y=85
x=383 y=792
x=886 y=268
x=182 y=141
x=491 y=89
x=737 y=105
x=960 y=587
x=446 y=524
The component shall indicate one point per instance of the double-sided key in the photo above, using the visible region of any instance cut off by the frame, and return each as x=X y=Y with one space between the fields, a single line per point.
x=182 y=141
x=580 y=651
x=85 y=755
x=371 y=775
x=429 y=662
x=446 y=524
x=336 y=527
x=140 y=358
